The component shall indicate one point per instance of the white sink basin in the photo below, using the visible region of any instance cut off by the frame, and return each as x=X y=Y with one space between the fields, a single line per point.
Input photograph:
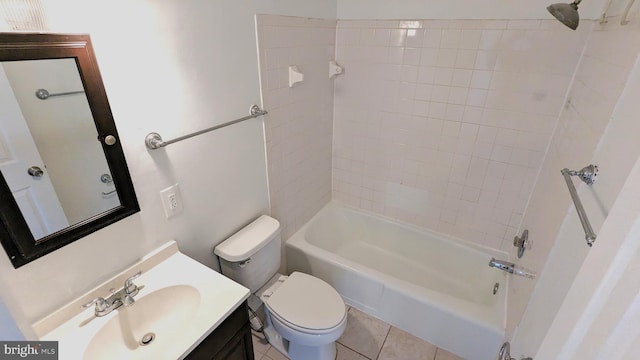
x=157 y=318
x=179 y=303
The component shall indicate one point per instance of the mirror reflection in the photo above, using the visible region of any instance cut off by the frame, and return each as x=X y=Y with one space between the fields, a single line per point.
x=75 y=181
x=50 y=154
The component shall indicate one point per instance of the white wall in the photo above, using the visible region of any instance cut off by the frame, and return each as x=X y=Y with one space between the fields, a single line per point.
x=171 y=67
x=9 y=331
x=599 y=316
x=456 y=9
x=444 y=124
x=299 y=127
x=550 y=217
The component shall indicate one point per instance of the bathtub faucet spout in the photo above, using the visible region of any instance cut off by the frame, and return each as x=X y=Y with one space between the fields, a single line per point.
x=502 y=265
x=511 y=268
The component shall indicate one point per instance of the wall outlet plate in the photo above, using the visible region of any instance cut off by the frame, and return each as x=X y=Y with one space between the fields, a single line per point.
x=171 y=201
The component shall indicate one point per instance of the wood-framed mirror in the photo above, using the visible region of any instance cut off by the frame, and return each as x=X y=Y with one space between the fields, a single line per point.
x=63 y=174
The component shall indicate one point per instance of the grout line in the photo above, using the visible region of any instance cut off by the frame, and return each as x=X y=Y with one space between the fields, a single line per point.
x=355 y=351
x=385 y=340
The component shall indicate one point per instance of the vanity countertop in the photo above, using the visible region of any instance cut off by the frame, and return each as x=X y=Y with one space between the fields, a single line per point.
x=180 y=301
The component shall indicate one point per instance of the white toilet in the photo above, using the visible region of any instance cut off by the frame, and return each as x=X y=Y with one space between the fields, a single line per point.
x=305 y=315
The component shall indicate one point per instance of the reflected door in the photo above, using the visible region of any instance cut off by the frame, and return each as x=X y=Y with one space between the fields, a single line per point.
x=34 y=194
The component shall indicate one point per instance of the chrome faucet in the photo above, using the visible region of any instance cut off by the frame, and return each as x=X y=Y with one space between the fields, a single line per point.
x=103 y=307
x=130 y=290
x=511 y=268
x=118 y=298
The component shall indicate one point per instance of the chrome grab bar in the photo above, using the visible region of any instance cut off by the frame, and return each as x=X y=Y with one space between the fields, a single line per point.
x=587 y=174
x=154 y=140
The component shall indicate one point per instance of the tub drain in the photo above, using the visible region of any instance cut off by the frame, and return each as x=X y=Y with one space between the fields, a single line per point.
x=495 y=288
x=147 y=338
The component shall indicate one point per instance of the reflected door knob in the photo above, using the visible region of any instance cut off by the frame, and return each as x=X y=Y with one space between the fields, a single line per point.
x=35 y=171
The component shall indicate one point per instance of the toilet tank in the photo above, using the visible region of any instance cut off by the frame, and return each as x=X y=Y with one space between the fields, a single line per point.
x=252 y=255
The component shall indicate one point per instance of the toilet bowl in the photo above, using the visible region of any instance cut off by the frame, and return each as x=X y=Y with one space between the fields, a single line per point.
x=305 y=315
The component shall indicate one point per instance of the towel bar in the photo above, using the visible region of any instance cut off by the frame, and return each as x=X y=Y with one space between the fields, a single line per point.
x=154 y=141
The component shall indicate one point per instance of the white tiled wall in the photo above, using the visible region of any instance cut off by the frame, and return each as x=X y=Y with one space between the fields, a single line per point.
x=591 y=129
x=449 y=125
x=299 y=127
x=444 y=124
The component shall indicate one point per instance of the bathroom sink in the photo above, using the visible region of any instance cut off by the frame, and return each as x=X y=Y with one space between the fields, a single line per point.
x=148 y=326
x=179 y=303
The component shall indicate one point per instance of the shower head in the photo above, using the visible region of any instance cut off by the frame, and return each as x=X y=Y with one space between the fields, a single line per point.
x=566 y=13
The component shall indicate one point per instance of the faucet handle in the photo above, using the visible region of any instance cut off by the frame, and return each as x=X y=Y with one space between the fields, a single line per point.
x=101 y=305
x=129 y=287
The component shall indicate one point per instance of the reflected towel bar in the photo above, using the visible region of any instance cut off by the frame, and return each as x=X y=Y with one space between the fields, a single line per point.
x=154 y=140
x=587 y=174
x=44 y=94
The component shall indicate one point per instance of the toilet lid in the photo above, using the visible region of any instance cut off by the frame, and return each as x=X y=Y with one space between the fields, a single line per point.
x=307 y=302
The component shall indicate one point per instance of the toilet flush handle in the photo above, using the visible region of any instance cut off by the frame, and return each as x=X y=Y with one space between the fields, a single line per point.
x=244 y=263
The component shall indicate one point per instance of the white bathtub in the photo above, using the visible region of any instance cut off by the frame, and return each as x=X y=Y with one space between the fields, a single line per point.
x=434 y=287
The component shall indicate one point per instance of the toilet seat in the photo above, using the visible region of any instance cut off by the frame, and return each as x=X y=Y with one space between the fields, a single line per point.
x=307 y=304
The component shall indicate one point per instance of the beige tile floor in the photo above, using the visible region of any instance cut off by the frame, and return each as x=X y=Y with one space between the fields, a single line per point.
x=368 y=338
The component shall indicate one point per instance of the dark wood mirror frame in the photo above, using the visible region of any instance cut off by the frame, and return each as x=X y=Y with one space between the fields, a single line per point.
x=15 y=236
